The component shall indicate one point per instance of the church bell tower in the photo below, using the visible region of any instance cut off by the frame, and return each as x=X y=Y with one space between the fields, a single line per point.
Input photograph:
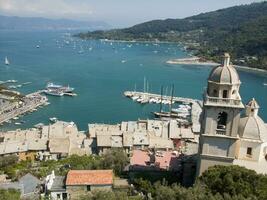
x=221 y=114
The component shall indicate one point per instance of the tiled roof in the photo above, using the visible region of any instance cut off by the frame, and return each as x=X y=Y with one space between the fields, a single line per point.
x=89 y=177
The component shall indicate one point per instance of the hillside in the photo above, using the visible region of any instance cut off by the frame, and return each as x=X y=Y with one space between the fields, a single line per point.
x=38 y=23
x=240 y=30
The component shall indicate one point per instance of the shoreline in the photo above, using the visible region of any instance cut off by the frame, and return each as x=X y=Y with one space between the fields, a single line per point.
x=196 y=61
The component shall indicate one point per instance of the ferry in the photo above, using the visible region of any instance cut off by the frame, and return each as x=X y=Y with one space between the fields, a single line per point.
x=52 y=86
x=54 y=92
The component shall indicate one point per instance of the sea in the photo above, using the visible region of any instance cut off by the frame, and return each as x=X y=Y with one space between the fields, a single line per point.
x=100 y=71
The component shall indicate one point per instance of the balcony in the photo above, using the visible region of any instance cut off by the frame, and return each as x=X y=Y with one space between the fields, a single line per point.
x=226 y=102
x=221 y=132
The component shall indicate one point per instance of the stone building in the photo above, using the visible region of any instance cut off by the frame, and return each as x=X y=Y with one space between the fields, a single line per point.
x=227 y=137
x=81 y=182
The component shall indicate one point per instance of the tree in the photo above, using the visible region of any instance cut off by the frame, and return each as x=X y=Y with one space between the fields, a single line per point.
x=115 y=159
x=235 y=181
x=8 y=160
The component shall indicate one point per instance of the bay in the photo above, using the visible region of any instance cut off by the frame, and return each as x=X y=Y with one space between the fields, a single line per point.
x=100 y=72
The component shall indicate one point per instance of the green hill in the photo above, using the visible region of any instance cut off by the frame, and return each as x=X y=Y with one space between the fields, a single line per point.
x=240 y=30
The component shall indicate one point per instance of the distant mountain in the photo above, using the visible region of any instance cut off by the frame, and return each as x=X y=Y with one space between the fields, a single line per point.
x=37 y=23
x=240 y=30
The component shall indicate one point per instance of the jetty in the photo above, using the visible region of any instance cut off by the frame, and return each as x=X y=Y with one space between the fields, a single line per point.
x=149 y=96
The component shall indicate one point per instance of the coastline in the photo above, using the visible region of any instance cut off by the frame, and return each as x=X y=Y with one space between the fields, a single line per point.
x=197 y=61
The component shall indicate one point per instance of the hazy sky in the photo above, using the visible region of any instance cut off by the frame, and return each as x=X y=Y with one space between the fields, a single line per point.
x=117 y=13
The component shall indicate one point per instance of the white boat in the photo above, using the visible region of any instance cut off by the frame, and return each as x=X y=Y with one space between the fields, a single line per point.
x=6 y=61
x=52 y=86
x=53 y=119
x=134 y=98
x=180 y=110
x=17 y=123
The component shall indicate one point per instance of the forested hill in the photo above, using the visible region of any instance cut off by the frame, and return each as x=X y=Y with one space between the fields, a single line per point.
x=240 y=30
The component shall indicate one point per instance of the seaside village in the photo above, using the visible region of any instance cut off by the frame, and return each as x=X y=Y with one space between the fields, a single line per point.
x=223 y=131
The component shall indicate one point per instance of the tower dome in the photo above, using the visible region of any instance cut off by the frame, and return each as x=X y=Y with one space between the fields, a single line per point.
x=224 y=73
x=251 y=126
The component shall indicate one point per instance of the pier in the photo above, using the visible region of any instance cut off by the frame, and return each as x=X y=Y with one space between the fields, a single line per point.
x=28 y=103
x=145 y=97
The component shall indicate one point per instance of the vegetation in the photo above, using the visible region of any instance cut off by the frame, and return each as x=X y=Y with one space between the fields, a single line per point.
x=217 y=183
x=9 y=194
x=239 y=30
x=114 y=159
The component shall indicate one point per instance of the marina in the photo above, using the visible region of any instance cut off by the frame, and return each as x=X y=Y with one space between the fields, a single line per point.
x=189 y=113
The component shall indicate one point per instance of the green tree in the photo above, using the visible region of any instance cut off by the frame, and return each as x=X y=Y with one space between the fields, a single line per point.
x=235 y=181
x=115 y=159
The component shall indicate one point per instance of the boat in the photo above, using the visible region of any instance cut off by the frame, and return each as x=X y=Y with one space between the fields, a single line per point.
x=70 y=94
x=17 y=123
x=6 y=61
x=53 y=119
x=54 y=93
x=37 y=46
x=52 y=86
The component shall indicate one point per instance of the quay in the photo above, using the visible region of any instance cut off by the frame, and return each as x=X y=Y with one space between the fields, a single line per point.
x=11 y=108
x=149 y=96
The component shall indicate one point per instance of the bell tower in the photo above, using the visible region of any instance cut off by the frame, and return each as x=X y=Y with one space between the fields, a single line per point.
x=221 y=114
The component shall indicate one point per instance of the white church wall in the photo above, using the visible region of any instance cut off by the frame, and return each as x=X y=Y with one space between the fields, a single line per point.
x=256 y=149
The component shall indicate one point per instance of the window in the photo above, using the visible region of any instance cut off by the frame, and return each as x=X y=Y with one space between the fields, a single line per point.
x=225 y=94
x=88 y=187
x=233 y=92
x=249 y=151
x=222 y=121
x=58 y=196
x=215 y=93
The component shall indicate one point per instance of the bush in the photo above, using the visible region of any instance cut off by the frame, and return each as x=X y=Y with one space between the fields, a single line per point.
x=9 y=194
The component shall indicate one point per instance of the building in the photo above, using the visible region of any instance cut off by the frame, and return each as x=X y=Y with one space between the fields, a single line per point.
x=79 y=182
x=52 y=141
x=28 y=185
x=55 y=187
x=227 y=137
x=155 y=161
x=141 y=134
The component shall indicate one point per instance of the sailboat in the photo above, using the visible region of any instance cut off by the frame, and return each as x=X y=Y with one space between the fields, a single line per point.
x=6 y=61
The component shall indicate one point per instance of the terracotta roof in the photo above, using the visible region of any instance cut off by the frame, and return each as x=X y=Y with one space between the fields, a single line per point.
x=89 y=177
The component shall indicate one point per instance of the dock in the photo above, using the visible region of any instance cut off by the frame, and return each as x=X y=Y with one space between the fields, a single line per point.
x=148 y=97
x=28 y=103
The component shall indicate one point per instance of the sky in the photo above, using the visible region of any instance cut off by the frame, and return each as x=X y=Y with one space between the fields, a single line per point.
x=117 y=13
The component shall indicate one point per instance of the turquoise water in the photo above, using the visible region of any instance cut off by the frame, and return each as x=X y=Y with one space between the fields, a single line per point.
x=100 y=77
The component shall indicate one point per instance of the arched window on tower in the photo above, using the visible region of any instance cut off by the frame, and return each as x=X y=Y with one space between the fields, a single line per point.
x=225 y=94
x=222 y=121
x=215 y=93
